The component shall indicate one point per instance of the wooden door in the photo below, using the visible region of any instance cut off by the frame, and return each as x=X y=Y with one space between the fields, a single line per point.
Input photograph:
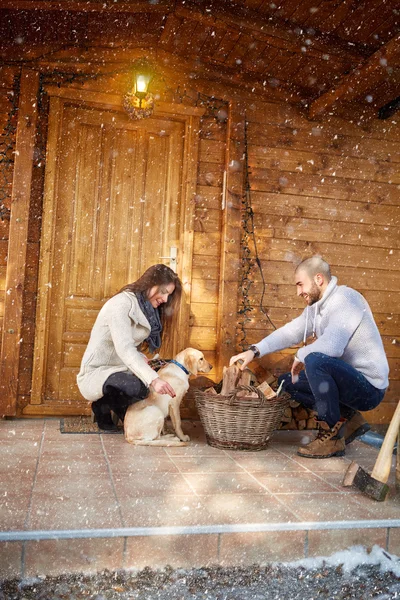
x=113 y=199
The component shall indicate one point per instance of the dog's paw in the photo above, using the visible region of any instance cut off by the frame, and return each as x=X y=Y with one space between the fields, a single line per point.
x=185 y=438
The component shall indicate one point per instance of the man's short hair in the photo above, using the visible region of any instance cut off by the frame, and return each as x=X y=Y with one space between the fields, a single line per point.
x=315 y=265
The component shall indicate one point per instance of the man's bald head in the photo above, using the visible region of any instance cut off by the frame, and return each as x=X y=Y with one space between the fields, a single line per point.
x=313 y=266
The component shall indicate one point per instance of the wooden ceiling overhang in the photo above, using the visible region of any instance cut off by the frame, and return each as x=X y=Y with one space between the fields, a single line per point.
x=320 y=53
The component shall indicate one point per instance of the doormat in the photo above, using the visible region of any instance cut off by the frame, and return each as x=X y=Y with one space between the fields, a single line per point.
x=82 y=425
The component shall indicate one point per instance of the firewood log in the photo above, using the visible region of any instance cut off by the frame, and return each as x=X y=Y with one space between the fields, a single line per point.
x=300 y=413
x=231 y=376
x=312 y=423
x=266 y=390
x=211 y=391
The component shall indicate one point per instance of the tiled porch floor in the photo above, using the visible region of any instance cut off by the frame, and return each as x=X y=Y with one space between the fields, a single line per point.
x=221 y=506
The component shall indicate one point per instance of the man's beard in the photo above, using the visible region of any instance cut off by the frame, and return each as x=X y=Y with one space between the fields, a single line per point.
x=314 y=294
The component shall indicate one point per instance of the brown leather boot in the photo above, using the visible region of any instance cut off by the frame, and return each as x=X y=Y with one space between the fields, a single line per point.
x=354 y=427
x=326 y=444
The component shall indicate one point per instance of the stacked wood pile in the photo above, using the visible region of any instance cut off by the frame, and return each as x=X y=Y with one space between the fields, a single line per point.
x=295 y=416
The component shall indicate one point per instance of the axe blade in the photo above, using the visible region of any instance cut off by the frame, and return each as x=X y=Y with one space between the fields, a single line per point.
x=357 y=476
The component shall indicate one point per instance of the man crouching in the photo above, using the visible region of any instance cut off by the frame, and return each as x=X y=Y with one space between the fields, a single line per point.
x=343 y=370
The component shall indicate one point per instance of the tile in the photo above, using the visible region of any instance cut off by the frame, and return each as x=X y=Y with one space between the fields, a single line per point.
x=335 y=479
x=116 y=446
x=177 y=551
x=292 y=482
x=224 y=483
x=19 y=448
x=54 y=557
x=388 y=509
x=237 y=549
x=394 y=541
x=335 y=506
x=291 y=438
x=74 y=485
x=274 y=462
x=194 y=449
x=317 y=465
x=133 y=485
x=72 y=446
x=62 y=466
x=246 y=508
x=10 y=559
x=165 y=511
x=206 y=464
x=49 y=511
x=14 y=512
x=326 y=542
x=288 y=442
x=16 y=481
x=21 y=428
x=144 y=464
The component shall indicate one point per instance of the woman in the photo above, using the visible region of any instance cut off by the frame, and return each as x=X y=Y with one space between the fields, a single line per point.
x=114 y=373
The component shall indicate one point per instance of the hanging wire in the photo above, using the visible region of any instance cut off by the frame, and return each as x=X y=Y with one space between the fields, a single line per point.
x=247 y=263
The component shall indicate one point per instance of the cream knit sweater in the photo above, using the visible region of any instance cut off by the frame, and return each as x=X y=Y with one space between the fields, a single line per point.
x=344 y=327
x=119 y=329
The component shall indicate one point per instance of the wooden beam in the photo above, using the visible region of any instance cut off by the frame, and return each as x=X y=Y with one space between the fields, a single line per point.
x=17 y=243
x=88 y=6
x=277 y=32
x=109 y=61
x=388 y=110
x=362 y=79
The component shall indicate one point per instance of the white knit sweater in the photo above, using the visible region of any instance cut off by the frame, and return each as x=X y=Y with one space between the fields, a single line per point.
x=344 y=327
x=119 y=329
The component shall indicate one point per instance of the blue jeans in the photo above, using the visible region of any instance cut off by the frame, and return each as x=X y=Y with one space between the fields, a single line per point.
x=332 y=388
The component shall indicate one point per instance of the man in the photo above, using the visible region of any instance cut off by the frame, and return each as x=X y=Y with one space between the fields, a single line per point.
x=342 y=370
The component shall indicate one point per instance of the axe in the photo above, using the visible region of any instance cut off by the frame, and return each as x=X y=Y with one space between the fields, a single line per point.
x=374 y=485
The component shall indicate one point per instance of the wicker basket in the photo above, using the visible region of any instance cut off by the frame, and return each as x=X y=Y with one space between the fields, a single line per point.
x=243 y=423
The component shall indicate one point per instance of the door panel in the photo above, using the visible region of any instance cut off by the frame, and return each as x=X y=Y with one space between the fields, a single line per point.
x=117 y=187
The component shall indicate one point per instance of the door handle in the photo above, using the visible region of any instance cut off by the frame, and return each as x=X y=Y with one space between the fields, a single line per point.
x=173 y=256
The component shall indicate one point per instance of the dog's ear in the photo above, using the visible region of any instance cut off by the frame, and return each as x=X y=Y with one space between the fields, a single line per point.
x=191 y=364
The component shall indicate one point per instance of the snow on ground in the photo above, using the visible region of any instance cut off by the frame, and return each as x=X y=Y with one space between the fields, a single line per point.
x=352 y=558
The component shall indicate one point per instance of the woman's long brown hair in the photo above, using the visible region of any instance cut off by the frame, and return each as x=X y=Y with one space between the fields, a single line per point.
x=157 y=276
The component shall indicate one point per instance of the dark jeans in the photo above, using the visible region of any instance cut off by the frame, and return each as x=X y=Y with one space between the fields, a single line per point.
x=332 y=388
x=123 y=389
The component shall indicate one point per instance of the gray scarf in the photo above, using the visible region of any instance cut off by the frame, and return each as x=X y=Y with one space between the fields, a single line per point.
x=153 y=316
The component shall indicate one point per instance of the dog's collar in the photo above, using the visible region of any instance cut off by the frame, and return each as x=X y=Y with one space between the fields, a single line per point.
x=181 y=366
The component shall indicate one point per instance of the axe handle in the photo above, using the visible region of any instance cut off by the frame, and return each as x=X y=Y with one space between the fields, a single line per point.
x=383 y=463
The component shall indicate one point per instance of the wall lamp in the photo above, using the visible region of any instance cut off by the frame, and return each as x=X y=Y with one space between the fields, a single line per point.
x=139 y=102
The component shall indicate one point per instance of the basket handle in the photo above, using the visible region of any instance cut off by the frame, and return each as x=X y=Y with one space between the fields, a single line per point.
x=248 y=388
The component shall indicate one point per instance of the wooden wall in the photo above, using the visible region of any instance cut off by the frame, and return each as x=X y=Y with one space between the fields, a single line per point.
x=207 y=235
x=8 y=118
x=330 y=188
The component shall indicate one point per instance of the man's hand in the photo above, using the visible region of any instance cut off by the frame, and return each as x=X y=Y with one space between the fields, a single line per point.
x=162 y=387
x=296 y=368
x=246 y=357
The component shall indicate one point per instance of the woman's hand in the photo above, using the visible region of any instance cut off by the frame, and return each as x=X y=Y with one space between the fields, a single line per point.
x=162 y=387
x=246 y=357
x=297 y=366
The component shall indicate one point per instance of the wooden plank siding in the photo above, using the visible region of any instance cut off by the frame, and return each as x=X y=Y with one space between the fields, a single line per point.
x=328 y=188
x=7 y=142
x=207 y=238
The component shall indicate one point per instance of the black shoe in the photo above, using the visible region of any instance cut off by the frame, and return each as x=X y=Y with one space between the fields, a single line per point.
x=102 y=416
x=119 y=405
